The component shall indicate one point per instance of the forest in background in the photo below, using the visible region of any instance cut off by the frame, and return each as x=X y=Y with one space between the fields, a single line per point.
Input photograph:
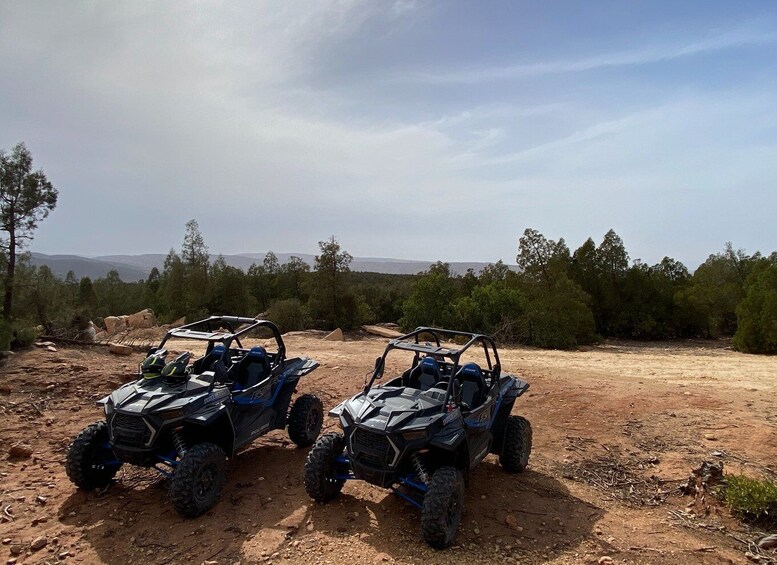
x=558 y=298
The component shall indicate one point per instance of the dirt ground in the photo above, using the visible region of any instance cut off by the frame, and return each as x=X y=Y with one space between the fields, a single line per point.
x=617 y=428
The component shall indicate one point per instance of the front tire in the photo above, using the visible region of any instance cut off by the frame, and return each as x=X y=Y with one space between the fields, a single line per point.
x=198 y=479
x=516 y=446
x=90 y=462
x=321 y=468
x=443 y=506
x=305 y=420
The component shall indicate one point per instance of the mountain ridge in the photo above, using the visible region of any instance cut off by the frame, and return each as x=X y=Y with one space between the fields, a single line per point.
x=137 y=267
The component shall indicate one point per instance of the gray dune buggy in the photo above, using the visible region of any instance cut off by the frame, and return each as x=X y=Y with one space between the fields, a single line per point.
x=422 y=432
x=185 y=420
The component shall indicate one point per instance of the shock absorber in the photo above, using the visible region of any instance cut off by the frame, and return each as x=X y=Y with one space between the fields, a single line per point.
x=420 y=471
x=179 y=443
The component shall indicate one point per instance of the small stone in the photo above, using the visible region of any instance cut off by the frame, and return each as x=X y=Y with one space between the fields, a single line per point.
x=309 y=527
x=39 y=543
x=119 y=349
x=16 y=549
x=710 y=437
x=40 y=500
x=604 y=559
x=64 y=554
x=20 y=451
x=51 y=348
x=511 y=521
x=476 y=531
x=6 y=541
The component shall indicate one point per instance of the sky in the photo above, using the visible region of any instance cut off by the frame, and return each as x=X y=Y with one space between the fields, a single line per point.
x=407 y=129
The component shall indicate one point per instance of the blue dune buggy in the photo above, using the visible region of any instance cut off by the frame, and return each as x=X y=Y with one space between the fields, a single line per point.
x=422 y=432
x=185 y=420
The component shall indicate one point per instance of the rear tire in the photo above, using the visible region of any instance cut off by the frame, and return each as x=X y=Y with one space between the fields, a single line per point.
x=321 y=468
x=516 y=446
x=87 y=457
x=443 y=506
x=305 y=420
x=198 y=479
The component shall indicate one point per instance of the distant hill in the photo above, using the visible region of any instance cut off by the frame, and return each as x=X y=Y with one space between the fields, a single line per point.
x=86 y=267
x=136 y=267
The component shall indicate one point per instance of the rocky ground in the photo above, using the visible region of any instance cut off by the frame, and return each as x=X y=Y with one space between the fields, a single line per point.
x=617 y=428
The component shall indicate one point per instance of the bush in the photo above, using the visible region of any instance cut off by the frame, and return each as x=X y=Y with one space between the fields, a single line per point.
x=6 y=334
x=289 y=315
x=753 y=499
x=757 y=313
x=24 y=337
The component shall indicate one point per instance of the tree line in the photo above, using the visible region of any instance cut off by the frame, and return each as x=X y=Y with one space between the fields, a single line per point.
x=555 y=298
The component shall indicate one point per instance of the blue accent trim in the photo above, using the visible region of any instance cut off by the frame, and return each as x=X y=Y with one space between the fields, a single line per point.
x=401 y=494
x=343 y=459
x=413 y=484
x=114 y=463
x=162 y=472
x=258 y=401
x=168 y=461
x=346 y=477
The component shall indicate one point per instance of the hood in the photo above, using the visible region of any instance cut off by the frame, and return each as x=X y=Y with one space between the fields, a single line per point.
x=144 y=397
x=390 y=408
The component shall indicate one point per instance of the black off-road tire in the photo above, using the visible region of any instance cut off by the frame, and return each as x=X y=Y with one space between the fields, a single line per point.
x=86 y=458
x=198 y=479
x=305 y=420
x=321 y=468
x=516 y=446
x=443 y=506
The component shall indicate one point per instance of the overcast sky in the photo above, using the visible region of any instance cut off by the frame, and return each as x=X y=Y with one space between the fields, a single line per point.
x=418 y=130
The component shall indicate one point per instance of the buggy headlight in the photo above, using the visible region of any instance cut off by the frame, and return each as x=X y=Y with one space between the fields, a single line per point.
x=414 y=435
x=171 y=414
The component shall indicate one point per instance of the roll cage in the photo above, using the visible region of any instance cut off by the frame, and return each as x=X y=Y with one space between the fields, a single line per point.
x=226 y=330
x=412 y=342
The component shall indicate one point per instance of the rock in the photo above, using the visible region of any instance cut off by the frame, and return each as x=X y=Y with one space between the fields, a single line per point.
x=143 y=319
x=179 y=322
x=710 y=437
x=51 y=348
x=120 y=349
x=511 y=521
x=336 y=335
x=115 y=324
x=64 y=554
x=6 y=541
x=43 y=343
x=11 y=561
x=604 y=559
x=101 y=336
x=764 y=543
x=40 y=500
x=16 y=549
x=20 y=451
x=39 y=543
x=381 y=331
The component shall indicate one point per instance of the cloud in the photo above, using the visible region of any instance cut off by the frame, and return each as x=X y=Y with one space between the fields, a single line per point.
x=640 y=56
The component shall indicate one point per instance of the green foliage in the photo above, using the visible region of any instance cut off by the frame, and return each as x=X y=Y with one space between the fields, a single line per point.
x=558 y=317
x=228 y=292
x=431 y=300
x=757 y=313
x=26 y=198
x=752 y=499
x=6 y=334
x=289 y=314
x=333 y=302
x=25 y=336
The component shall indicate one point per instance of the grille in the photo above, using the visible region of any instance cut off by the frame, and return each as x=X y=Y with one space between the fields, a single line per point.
x=372 y=448
x=130 y=430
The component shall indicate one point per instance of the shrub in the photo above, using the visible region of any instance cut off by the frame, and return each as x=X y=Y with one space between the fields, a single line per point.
x=753 y=499
x=24 y=336
x=289 y=315
x=6 y=334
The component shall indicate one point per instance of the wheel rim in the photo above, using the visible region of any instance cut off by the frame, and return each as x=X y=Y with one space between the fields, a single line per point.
x=450 y=516
x=206 y=482
x=311 y=424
